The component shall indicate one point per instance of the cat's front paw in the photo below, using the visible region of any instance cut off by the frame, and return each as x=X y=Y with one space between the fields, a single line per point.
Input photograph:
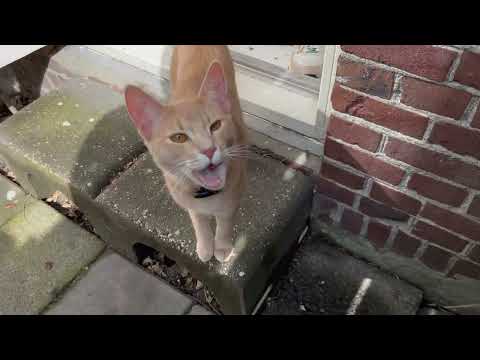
x=224 y=254
x=204 y=253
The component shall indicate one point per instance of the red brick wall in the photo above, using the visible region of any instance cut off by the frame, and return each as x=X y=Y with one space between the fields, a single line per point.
x=402 y=153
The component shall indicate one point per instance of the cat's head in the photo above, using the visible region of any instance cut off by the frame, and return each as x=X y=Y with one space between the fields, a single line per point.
x=191 y=139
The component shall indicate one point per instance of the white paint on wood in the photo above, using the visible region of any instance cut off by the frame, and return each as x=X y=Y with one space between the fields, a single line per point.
x=295 y=104
x=12 y=53
x=324 y=106
x=278 y=55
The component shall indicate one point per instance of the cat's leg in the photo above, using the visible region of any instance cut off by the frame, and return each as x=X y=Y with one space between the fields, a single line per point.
x=224 y=238
x=203 y=234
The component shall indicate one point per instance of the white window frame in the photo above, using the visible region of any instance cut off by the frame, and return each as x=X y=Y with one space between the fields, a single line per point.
x=285 y=111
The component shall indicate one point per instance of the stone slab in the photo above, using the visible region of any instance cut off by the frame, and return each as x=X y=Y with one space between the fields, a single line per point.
x=274 y=211
x=115 y=286
x=74 y=139
x=291 y=153
x=41 y=251
x=325 y=280
x=12 y=200
x=199 y=310
x=432 y=311
x=437 y=288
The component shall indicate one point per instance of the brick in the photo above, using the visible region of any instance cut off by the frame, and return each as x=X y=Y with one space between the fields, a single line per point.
x=466 y=268
x=381 y=211
x=423 y=60
x=437 y=190
x=377 y=234
x=395 y=199
x=438 y=99
x=468 y=72
x=436 y=258
x=458 y=139
x=476 y=119
x=434 y=162
x=334 y=191
x=474 y=208
x=353 y=134
x=405 y=245
x=475 y=254
x=352 y=221
x=366 y=78
x=452 y=221
x=364 y=162
x=374 y=111
x=341 y=176
x=438 y=236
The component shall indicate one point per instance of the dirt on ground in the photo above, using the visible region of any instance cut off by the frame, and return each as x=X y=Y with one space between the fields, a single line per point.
x=66 y=207
x=180 y=278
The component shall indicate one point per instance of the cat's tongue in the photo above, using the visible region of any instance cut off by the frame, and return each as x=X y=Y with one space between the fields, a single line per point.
x=210 y=179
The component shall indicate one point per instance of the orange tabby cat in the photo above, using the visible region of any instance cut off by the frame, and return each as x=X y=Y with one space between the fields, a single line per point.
x=198 y=140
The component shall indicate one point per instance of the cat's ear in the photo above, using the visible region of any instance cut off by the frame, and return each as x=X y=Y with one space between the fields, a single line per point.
x=214 y=87
x=143 y=110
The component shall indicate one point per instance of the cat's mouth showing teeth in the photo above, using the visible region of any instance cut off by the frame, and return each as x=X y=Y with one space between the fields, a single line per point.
x=212 y=177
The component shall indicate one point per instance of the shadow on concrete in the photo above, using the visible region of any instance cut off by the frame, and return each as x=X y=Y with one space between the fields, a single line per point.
x=21 y=81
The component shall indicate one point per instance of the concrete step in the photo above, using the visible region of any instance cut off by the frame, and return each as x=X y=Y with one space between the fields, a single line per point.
x=78 y=140
x=41 y=251
x=74 y=140
x=325 y=280
x=115 y=286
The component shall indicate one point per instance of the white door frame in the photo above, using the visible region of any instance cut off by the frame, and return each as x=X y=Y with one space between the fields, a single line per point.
x=324 y=107
x=283 y=110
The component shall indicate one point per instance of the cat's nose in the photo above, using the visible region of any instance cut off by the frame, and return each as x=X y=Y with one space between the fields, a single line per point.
x=209 y=152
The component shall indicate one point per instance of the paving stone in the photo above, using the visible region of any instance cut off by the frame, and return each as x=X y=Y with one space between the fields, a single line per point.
x=115 y=286
x=199 y=310
x=274 y=211
x=432 y=311
x=325 y=280
x=41 y=251
x=74 y=140
x=12 y=200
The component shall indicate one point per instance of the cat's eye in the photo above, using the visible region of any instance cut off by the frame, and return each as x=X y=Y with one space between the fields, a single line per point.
x=179 y=138
x=215 y=126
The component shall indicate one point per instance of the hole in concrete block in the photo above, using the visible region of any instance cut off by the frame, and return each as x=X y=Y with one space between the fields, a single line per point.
x=175 y=274
x=143 y=251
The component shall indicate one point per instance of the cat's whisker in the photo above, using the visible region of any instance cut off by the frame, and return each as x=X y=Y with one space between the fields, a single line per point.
x=242 y=157
x=253 y=156
x=238 y=147
x=180 y=180
x=241 y=152
x=182 y=165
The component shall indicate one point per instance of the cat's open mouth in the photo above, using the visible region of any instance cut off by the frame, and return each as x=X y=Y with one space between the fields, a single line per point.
x=212 y=177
